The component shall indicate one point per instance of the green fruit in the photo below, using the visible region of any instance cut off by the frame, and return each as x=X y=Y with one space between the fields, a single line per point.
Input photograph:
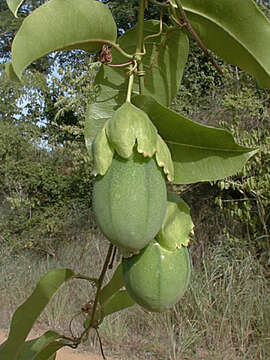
x=157 y=278
x=129 y=201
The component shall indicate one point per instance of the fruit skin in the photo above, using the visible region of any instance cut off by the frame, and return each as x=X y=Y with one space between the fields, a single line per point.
x=157 y=278
x=129 y=201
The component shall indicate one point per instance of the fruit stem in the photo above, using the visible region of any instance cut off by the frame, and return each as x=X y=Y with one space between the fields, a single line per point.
x=99 y=286
x=130 y=86
x=100 y=281
x=140 y=46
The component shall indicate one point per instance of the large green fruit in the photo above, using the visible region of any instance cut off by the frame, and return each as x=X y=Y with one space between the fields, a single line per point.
x=157 y=278
x=129 y=201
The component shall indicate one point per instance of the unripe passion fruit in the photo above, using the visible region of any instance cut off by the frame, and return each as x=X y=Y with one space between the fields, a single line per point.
x=157 y=278
x=129 y=201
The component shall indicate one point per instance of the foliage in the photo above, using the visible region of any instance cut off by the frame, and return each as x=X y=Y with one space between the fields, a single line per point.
x=138 y=77
x=234 y=102
x=246 y=196
x=42 y=193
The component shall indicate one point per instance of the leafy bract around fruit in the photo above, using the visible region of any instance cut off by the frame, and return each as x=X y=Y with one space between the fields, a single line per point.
x=157 y=278
x=130 y=127
x=62 y=25
x=177 y=224
x=129 y=201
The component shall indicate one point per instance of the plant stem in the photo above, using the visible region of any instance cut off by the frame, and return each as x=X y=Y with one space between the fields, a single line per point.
x=130 y=85
x=187 y=24
x=82 y=277
x=100 y=282
x=139 y=46
x=160 y=4
x=99 y=285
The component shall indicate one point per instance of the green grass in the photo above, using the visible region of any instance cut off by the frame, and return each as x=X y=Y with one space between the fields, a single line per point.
x=225 y=314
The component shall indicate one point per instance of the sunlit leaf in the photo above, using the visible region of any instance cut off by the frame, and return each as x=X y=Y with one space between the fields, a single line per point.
x=113 y=285
x=58 y=25
x=164 y=64
x=43 y=347
x=14 y=5
x=177 y=224
x=10 y=72
x=237 y=31
x=118 y=301
x=199 y=153
x=164 y=61
x=26 y=314
x=112 y=300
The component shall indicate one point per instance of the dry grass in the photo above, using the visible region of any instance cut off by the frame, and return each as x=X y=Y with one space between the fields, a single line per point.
x=223 y=315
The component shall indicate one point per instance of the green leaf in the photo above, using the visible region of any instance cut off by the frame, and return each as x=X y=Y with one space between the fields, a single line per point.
x=11 y=73
x=14 y=5
x=129 y=126
x=115 y=300
x=162 y=78
x=58 y=25
x=176 y=226
x=113 y=285
x=111 y=93
x=118 y=301
x=164 y=61
x=237 y=31
x=90 y=132
x=42 y=348
x=26 y=314
x=102 y=153
x=199 y=152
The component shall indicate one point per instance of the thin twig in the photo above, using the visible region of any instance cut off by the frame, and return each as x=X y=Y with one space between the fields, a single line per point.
x=113 y=257
x=100 y=344
x=184 y=22
x=83 y=277
x=100 y=282
x=160 y=4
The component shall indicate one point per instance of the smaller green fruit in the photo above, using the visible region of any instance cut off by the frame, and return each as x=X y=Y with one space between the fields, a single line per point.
x=157 y=278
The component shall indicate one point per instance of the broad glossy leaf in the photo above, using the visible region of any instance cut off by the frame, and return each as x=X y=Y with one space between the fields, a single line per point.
x=177 y=224
x=113 y=285
x=199 y=152
x=111 y=93
x=14 y=5
x=163 y=75
x=118 y=301
x=10 y=72
x=237 y=31
x=102 y=153
x=164 y=62
x=58 y=25
x=26 y=314
x=42 y=348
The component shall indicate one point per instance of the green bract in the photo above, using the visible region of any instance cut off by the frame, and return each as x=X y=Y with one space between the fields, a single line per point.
x=130 y=126
x=129 y=201
x=157 y=278
x=177 y=224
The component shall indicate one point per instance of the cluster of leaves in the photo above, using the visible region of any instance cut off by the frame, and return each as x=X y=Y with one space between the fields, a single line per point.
x=199 y=153
x=43 y=193
x=234 y=102
x=245 y=196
